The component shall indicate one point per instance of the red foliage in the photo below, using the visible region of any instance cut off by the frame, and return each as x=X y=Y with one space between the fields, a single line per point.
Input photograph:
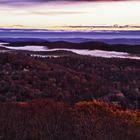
x=48 y=119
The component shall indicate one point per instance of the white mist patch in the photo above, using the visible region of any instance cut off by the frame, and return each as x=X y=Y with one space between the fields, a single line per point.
x=28 y=48
x=2 y=44
x=106 y=54
x=96 y=53
x=99 y=53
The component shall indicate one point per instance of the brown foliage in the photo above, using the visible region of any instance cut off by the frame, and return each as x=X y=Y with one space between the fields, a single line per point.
x=51 y=120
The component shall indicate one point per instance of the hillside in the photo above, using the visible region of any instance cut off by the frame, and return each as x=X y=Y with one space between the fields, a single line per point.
x=70 y=79
x=75 y=97
x=51 y=120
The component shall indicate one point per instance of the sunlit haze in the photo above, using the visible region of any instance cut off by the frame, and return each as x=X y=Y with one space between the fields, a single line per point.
x=52 y=14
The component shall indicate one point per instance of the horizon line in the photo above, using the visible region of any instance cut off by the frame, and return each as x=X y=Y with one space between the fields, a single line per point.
x=76 y=28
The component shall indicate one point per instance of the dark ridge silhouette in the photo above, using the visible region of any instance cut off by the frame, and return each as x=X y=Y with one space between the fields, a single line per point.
x=134 y=49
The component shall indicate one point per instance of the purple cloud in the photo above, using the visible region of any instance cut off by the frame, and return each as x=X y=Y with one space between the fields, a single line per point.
x=32 y=2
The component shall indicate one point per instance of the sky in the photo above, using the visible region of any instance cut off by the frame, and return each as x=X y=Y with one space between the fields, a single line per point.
x=51 y=13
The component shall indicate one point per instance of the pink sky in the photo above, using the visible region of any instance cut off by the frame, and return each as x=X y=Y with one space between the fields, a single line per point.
x=38 y=14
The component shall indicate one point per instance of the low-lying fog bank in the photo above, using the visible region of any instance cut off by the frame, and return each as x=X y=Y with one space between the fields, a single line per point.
x=96 y=53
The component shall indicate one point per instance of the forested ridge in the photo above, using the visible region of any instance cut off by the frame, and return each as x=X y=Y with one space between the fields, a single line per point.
x=75 y=97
